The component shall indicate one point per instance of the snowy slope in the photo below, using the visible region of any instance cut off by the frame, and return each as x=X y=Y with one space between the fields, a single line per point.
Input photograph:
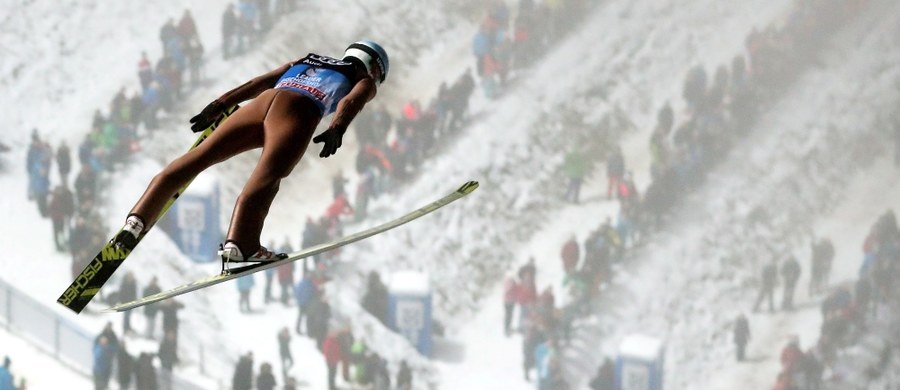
x=624 y=61
x=807 y=168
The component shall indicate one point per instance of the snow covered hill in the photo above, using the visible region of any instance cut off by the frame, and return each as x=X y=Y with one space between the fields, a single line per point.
x=815 y=162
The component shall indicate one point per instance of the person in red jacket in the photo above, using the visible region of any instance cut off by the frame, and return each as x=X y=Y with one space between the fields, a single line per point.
x=570 y=254
x=331 y=348
x=791 y=354
x=340 y=206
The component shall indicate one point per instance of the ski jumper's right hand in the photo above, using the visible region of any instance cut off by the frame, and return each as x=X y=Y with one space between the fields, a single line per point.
x=210 y=114
x=332 y=140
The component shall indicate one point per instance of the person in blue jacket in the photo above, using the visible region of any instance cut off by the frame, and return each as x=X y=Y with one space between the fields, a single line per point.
x=303 y=295
x=6 y=378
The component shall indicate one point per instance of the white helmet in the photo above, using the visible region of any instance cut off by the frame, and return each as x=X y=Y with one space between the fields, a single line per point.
x=369 y=52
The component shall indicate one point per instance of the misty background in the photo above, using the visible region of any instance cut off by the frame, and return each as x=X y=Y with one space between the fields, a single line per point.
x=646 y=168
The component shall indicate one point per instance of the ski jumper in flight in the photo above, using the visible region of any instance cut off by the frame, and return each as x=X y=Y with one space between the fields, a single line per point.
x=288 y=103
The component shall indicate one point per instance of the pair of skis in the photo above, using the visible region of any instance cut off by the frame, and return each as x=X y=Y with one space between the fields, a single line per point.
x=88 y=283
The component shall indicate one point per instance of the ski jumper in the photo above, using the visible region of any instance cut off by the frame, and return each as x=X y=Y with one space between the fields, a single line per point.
x=281 y=120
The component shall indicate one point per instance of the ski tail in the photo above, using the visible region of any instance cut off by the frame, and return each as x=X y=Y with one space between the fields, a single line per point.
x=101 y=268
x=464 y=190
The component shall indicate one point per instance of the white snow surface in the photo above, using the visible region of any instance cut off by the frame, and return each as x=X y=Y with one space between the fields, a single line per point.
x=817 y=162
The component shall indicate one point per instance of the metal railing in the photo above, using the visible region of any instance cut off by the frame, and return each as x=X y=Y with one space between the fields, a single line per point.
x=61 y=338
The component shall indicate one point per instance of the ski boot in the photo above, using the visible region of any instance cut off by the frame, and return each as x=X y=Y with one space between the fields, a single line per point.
x=130 y=234
x=231 y=253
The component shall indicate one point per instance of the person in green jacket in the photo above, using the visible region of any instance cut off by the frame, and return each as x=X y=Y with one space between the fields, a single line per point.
x=575 y=168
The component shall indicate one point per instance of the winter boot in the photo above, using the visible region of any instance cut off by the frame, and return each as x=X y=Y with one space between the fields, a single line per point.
x=131 y=233
x=232 y=254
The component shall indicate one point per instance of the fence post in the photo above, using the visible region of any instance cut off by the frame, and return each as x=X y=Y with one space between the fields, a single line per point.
x=8 y=308
x=202 y=361
x=56 y=338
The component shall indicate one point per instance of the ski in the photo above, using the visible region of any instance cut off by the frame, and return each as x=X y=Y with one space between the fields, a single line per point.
x=104 y=264
x=229 y=274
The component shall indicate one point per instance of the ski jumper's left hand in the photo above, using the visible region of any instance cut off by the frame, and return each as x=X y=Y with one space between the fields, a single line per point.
x=347 y=108
x=332 y=138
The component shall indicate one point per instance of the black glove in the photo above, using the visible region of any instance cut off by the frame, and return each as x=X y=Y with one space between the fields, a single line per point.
x=210 y=114
x=332 y=140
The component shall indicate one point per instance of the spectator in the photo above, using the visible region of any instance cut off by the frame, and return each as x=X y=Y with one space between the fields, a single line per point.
x=812 y=369
x=340 y=206
x=338 y=185
x=267 y=290
x=110 y=335
x=243 y=373
x=125 y=367
x=820 y=265
x=404 y=376
x=606 y=376
x=167 y=33
x=741 y=335
x=303 y=295
x=318 y=317
x=61 y=209
x=863 y=297
x=152 y=100
x=510 y=287
x=127 y=293
x=230 y=41
x=570 y=254
x=767 y=287
x=170 y=321
x=615 y=170
x=187 y=29
x=85 y=185
x=247 y=18
x=312 y=235
x=626 y=191
x=575 y=168
x=6 y=377
x=145 y=376
x=64 y=161
x=695 y=88
x=375 y=301
x=791 y=355
x=244 y=285
x=194 y=55
x=458 y=107
x=790 y=272
x=39 y=158
x=376 y=367
x=284 y=349
x=533 y=337
x=168 y=357
x=104 y=352
x=286 y=276
x=152 y=309
x=331 y=349
x=145 y=72
x=265 y=380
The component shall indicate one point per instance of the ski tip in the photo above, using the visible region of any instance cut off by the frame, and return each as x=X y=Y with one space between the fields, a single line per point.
x=468 y=187
x=111 y=309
